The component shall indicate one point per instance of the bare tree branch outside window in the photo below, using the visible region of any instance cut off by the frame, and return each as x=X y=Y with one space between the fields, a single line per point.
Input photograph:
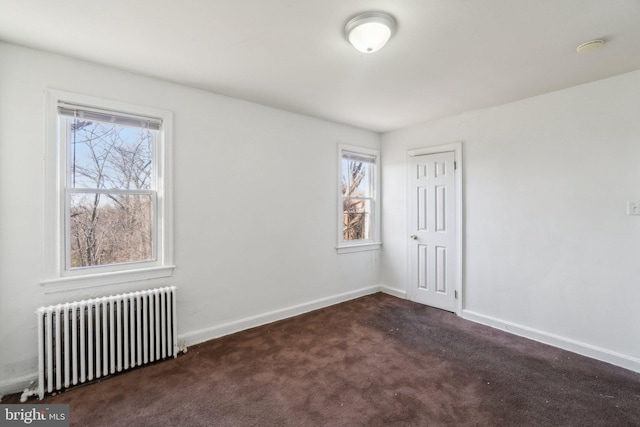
x=110 y=206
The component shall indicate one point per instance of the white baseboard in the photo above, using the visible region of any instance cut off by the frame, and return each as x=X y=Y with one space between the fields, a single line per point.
x=399 y=293
x=218 y=331
x=588 y=350
x=628 y=362
x=16 y=385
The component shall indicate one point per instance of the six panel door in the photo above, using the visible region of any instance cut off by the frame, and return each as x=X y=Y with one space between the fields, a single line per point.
x=432 y=230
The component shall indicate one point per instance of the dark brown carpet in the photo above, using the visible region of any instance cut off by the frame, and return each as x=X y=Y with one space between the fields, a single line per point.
x=374 y=361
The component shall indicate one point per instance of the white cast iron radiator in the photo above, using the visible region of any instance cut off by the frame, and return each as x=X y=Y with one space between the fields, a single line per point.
x=85 y=340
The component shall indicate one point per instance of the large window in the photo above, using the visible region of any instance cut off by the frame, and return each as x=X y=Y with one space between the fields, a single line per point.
x=358 y=204
x=110 y=200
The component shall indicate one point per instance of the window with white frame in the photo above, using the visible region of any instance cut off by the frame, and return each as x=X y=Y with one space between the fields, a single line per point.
x=358 y=202
x=109 y=191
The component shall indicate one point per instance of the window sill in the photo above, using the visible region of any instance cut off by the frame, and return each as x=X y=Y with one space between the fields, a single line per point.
x=103 y=279
x=372 y=246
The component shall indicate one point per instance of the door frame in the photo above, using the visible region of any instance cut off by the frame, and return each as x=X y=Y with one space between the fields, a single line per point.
x=456 y=148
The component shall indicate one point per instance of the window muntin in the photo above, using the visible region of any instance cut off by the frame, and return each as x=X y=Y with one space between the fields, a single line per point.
x=358 y=197
x=110 y=187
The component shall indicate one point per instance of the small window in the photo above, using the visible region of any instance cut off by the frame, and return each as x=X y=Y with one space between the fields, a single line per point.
x=358 y=204
x=110 y=204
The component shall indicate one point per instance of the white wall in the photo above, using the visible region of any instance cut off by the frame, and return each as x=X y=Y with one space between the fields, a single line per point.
x=549 y=250
x=237 y=266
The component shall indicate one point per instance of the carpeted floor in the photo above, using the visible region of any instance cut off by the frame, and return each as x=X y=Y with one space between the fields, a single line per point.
x=374 y=361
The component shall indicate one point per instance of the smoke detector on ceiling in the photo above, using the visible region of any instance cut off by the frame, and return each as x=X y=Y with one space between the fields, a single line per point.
x=590 y=46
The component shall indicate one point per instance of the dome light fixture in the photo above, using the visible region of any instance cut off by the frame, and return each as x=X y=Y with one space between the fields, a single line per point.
x=370 y=31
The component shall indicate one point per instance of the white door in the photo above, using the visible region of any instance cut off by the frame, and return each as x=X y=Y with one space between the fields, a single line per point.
x=432 y=230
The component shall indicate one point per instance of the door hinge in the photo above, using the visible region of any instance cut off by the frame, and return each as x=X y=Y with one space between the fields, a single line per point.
x=455 y=165
x=455 y=294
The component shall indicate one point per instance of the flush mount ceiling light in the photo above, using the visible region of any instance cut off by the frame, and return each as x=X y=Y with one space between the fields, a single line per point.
x=590 y=46
x=369 y=32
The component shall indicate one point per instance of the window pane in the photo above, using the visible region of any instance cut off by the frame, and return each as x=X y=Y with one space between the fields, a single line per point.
x=357 y=178
x=109 y=156
x=110 y=228
x=356 y=223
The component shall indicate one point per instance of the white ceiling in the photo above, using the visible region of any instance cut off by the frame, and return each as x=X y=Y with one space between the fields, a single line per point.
x=447 y=57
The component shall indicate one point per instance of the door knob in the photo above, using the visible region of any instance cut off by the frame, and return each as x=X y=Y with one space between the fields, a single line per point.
x=414 y=237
